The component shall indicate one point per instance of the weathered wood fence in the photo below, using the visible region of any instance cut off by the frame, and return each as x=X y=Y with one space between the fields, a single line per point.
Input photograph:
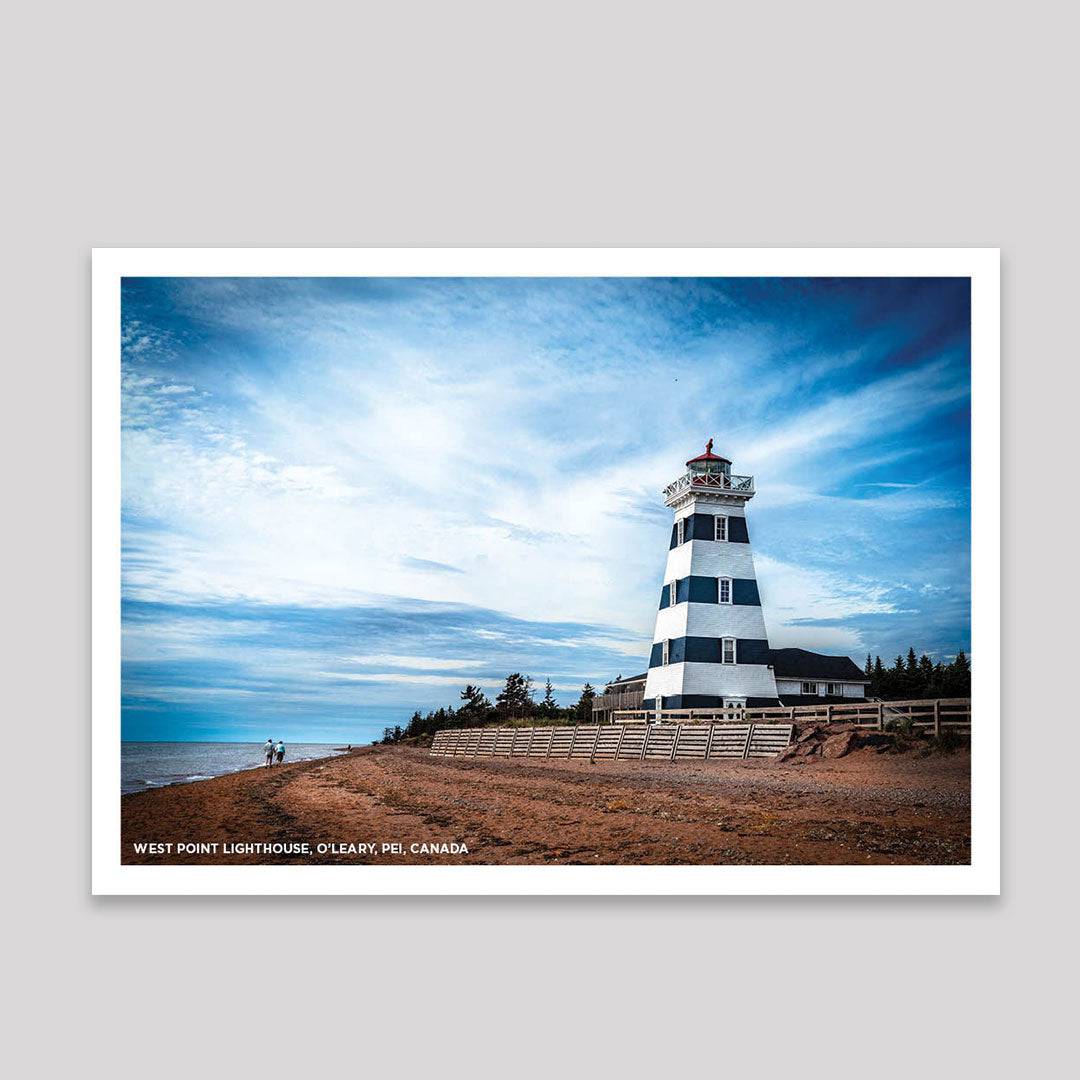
x=937 y=715
x=618 y=742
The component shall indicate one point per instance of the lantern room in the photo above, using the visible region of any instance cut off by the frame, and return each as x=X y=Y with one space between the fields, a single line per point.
x=709 y=464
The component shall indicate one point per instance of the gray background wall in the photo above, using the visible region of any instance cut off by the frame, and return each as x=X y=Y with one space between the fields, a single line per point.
x=510 y=124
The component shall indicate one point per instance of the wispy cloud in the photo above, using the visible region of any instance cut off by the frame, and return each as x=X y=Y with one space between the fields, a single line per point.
x=430 y=564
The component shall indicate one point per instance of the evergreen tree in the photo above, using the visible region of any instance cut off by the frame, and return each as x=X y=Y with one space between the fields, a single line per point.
x=877 y=680
x=894 y=681
x=957 y=681
x=926 y=677
x=515 y=700
x=583 y=709
x=549 y=707
x=868 y=671
x=476 y=709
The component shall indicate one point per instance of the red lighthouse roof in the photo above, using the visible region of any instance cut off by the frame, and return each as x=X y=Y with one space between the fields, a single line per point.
x=708 y=456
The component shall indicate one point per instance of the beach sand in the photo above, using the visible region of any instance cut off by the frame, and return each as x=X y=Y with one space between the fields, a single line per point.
x=865 y=808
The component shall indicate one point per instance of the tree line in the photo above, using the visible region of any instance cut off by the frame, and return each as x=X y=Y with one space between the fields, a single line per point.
x=914 y=677
x=908 y=678
x=515 y=703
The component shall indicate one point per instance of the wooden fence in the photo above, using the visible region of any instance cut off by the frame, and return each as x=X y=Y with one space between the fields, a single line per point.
x=937 y=715
x=618 y=742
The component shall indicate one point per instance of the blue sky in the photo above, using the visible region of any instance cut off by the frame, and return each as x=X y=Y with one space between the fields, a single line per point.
x=345 y=498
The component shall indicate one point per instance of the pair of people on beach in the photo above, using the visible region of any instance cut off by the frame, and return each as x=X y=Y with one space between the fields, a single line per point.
x=273 y=751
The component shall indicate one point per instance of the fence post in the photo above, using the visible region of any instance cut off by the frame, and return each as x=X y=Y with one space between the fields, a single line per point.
x=828 y=714
x=573 y=739
x=618 y=745
x=937 y=717
x=645 y=741
x=675 y=741
x=551 y=740
x=880 y=716
x=749 y=736
x=708 y=745
x=595 y=744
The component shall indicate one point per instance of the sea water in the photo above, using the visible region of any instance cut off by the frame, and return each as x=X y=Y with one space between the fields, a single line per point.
x=146 y=765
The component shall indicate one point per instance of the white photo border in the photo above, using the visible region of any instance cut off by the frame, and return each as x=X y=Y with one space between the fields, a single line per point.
x=981 y=877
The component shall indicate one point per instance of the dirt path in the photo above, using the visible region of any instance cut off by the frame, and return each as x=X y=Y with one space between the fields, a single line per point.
x=862 y=809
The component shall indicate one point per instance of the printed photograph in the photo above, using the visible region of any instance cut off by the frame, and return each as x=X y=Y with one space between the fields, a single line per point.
x=556 y=571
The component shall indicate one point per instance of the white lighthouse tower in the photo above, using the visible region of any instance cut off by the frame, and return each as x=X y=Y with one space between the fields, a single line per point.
x=710 y=648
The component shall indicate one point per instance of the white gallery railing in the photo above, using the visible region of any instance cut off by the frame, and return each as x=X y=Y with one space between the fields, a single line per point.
x=738 y=485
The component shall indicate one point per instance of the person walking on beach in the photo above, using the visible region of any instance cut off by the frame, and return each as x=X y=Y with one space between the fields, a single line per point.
x=268 y=751
x=279 y=750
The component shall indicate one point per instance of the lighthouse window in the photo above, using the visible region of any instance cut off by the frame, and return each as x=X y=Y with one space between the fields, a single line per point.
x=721 y=528
x=680 y=531
x=671 y=595
x=728 y=653
x=665 y=657
x=725 y=590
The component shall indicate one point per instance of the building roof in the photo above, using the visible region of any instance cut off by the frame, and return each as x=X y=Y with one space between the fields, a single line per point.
x=708 y=456
x=629 y=679
x=802 y=664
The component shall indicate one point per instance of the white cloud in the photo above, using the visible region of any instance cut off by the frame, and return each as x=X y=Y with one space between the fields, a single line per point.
x=795 y=596
x=431 y=663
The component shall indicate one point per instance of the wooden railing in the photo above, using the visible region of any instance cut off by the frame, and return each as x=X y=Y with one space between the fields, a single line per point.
x=938 y=714
x=627 y=699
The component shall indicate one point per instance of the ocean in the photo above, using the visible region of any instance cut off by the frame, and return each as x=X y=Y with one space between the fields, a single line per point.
x=154 y=764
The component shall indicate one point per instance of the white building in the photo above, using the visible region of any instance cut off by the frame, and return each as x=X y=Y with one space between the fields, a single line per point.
x=710 y=647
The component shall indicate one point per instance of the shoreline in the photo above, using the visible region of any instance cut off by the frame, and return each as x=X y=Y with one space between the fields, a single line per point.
x=180 y=764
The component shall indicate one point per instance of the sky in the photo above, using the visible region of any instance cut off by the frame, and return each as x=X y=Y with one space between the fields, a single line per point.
x=343 y=499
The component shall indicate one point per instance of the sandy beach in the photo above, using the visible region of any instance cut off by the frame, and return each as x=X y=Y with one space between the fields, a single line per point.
x=865 y=808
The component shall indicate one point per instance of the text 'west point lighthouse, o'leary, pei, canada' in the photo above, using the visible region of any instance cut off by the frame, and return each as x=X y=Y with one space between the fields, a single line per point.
x=710 y=648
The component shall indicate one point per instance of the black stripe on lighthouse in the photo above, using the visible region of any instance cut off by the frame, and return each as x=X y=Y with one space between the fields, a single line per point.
x=703 y=527
x=705 y=590
x=703 y=650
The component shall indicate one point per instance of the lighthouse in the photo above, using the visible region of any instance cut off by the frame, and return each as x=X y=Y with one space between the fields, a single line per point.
x=710 y=649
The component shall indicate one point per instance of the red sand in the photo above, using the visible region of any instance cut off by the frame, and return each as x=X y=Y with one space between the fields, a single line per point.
x=864 y=808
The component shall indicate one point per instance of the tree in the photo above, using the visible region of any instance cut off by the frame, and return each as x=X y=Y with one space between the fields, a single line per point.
x=583 y=709
x=549 y=707
x=926 y=677
x=920 y=677
x=911 y=665
x=897 y=679
x=515 y=700
x=476 y=709
x=957 y=680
